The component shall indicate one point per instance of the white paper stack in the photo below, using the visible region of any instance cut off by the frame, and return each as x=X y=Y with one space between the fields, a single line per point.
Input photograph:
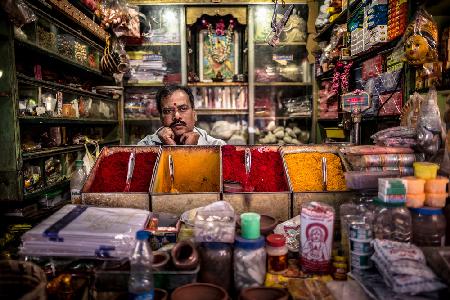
x=85 y=231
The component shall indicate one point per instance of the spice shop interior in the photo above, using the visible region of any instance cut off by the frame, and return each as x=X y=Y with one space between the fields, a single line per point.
x=224 y=149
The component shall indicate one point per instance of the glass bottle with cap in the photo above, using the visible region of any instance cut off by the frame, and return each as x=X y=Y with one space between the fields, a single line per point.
x=276 y=253
x=76 y=182
x=429 y=227
x=249 y=262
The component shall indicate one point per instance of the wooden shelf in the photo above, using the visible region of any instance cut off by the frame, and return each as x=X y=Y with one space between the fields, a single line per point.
x=60 y=87
x=381 y=118
x=60 y=150
x=282 y=44
x=375 y=50
x=50 y=120
x=150 y=44
x=46 y=189
x=218 y=84
x=326 y=74
x=283 y=84
x=284 y=117
x=325 y=32
x=222 y=111
x=43 y=51
x=143 y=84
x=143 y=120
x=329 y=120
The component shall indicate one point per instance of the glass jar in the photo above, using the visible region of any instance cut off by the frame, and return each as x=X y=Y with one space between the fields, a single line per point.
x=216 y=264
x=276 y=254
x=428 y=226
x=249 y=263
x=392 y=221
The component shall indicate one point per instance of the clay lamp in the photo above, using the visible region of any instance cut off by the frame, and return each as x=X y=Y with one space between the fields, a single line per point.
x=185 y=256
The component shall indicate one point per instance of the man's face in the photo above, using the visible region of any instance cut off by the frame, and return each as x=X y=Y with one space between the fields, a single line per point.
x=177 y=113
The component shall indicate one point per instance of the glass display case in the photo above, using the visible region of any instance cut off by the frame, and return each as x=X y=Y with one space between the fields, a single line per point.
x=156 y=59
x=282 y=78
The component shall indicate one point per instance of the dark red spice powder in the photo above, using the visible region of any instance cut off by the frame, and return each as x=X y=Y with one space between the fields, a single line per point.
x=112 y=173
x=266 y=173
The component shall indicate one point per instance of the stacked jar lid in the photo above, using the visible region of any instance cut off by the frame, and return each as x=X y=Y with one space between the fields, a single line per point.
x=426 y=188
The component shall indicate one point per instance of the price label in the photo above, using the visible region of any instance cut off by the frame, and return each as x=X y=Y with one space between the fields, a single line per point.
x=352 y=102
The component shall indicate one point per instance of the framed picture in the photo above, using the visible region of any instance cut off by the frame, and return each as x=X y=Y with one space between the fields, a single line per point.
x=212 y=58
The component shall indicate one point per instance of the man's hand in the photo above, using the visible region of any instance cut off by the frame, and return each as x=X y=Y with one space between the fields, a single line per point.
x=189 y=138
x=167 y=136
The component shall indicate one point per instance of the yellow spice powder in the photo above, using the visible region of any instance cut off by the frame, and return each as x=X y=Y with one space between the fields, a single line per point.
x=305 y=172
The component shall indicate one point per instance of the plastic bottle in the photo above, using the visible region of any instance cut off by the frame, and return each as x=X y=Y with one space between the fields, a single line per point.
x=76 y=182
x=140 y=285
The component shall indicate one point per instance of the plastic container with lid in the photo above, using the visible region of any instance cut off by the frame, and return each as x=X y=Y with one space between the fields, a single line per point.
x=435 y=200
x=249 y=262
x=429 y=227
x=425 y=170
x=415 y=200
x=414 y=185
x=392 y=221
x=276 y=253
x=436 y=186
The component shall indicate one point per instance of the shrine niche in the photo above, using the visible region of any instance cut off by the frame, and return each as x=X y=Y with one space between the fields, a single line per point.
x=215 y=43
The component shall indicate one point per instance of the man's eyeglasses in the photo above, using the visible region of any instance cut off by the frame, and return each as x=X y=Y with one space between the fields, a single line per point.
x=171 y=110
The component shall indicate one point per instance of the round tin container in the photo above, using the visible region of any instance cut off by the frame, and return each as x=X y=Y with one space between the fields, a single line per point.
x=360 y=260
x=360 y=231
x=363 y=247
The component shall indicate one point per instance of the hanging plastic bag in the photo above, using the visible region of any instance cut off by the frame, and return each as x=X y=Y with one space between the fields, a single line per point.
x=90 y=157
x=421 y=39
x=429 y=126
x=18 y=11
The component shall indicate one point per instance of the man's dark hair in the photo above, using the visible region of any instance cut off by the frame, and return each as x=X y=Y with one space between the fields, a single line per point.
x=168 y=90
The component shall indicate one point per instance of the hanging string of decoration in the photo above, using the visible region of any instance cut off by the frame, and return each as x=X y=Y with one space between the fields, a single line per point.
x=220 y=52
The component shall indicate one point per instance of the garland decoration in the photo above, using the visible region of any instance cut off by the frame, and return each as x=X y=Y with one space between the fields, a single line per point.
x=219 y=52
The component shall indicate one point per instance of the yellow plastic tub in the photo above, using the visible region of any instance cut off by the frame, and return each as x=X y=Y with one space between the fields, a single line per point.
x=425 y=170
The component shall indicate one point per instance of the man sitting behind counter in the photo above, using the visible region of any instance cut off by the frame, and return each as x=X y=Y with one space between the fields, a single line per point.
x=177 y=113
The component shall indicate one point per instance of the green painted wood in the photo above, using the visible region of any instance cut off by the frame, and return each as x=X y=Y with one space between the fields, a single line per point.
x=9 y=131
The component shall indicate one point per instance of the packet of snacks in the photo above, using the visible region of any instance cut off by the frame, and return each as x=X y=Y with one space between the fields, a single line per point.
x=316 y=237
x=403 y=268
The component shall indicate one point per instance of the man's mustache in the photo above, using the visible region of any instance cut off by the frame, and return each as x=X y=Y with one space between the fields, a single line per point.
x=177 y=123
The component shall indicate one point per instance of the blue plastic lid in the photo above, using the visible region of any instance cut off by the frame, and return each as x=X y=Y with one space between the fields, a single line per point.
x=427 y=211
x=242 y=243
x=142 y=235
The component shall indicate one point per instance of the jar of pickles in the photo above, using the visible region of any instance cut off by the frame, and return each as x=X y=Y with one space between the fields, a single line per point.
x=428 y=227
x=392 y=221
x=276 y=253
x=249 y=263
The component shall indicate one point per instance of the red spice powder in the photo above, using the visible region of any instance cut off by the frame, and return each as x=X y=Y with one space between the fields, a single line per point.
x=112 y=173
x=266 y=173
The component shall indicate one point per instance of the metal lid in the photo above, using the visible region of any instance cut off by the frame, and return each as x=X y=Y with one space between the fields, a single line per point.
x=276 y=240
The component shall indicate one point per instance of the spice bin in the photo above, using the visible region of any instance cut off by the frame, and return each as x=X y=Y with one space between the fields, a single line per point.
x=332 y=197
x=104 y=189
x=266 y=191
x=197 y=179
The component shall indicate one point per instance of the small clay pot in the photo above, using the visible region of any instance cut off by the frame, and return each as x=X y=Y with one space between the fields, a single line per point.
x=185 y=256
x=266 y=224
x=199 y=291
x=263 y=293
x=161 y=294
x=160 y=259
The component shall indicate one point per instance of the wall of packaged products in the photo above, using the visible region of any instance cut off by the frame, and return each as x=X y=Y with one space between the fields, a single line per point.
x=363 y=49
x=57 y=104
